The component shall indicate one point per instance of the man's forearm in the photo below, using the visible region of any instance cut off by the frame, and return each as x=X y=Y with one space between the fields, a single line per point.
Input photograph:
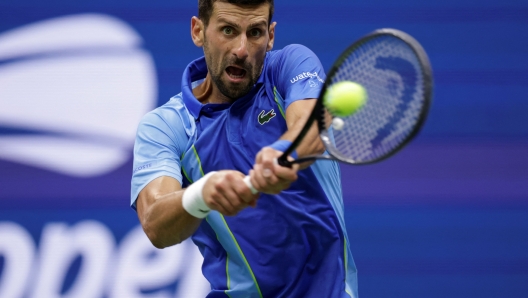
x=165 y=221
x=296 y=116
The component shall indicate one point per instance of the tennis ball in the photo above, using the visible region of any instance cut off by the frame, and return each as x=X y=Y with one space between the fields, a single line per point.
x=344 y=98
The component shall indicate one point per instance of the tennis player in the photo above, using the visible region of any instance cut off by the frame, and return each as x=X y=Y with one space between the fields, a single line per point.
x=240 y=106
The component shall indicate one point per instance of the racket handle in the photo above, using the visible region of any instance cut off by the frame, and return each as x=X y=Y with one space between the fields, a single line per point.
x=284 y=162
x=247 y=180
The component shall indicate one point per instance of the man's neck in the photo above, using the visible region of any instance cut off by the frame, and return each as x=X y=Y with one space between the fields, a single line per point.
x=206 y=93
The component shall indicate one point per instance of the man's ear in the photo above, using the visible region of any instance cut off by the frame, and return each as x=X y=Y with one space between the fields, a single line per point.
x=271 y=36
x=197 y=31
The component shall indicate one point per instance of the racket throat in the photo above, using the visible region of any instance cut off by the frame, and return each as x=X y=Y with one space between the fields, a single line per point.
x=307 y=159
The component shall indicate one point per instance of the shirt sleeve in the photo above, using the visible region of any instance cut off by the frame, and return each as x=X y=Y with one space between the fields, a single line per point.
x=301 y=74
x=157 y=150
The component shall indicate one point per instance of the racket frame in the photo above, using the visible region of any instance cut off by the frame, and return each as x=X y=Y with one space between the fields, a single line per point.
x=318 y=113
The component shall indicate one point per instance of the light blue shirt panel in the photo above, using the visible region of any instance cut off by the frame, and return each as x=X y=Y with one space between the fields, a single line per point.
x=301 y=74
x=162 y=137
x=329 y=175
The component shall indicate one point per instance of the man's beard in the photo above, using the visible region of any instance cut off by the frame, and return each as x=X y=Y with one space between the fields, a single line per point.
x=216 y=73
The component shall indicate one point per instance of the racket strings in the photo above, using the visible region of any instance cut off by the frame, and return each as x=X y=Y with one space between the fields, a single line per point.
x=391 y=73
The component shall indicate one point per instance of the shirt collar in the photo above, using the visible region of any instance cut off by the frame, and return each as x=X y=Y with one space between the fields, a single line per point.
x=195 y=71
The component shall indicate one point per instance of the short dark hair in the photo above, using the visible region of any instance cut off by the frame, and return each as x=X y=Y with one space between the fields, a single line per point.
x=205 y=7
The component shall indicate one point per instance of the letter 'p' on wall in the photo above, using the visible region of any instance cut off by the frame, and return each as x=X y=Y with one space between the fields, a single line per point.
x=106 y=269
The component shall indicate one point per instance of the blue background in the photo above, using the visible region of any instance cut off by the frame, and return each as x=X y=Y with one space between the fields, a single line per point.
x=446 y=217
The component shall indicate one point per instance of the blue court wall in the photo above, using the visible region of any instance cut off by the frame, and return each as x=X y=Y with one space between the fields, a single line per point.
x=446 y=217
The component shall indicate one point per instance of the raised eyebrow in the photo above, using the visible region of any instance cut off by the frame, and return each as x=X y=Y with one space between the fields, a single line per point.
x=258 y=24
x=225 y=21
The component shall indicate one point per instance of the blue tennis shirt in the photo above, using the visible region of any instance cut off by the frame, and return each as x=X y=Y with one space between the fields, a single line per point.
x=293 y=244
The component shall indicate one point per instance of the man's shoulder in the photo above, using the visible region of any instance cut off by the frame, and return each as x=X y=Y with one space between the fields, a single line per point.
x=171 y=108
x=287 y=58
x=290 y=51
x=171 y=115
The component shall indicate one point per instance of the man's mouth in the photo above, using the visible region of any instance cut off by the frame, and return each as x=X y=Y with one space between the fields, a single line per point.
x=235 y=72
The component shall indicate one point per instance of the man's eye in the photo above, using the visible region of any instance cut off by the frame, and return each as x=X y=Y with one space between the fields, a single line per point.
x=255 y=32
x=227 y=30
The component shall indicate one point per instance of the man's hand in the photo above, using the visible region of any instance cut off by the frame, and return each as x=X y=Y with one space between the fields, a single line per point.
x=226 y=192
x=269 y=177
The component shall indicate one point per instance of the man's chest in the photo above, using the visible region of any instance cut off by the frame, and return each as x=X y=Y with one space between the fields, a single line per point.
x=231 y=138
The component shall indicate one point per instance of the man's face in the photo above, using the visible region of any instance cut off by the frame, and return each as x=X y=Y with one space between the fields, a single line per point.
x=235 y=43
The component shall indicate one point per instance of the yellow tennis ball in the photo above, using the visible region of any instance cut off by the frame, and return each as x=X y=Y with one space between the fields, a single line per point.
x=345 y=98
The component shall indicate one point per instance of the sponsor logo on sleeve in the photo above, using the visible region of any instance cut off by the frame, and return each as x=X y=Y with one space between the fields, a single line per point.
x=307 y=75
x=142 y=167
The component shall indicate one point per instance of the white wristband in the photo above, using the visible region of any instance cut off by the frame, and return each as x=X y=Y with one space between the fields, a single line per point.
x=192 y=199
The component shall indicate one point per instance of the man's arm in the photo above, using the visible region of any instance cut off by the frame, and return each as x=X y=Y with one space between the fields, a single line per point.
x=269 y=177
x=296 y=116
x=161 y=213
x=166 y=222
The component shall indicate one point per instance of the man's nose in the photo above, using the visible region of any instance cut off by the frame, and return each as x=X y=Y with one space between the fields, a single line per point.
x=241 y=48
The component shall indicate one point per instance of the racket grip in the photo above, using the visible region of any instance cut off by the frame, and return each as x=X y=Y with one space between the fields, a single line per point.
x=247 y=180
x=283 y=163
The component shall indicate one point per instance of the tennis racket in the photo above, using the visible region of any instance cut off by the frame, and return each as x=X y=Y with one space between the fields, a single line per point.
x=396 y=73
